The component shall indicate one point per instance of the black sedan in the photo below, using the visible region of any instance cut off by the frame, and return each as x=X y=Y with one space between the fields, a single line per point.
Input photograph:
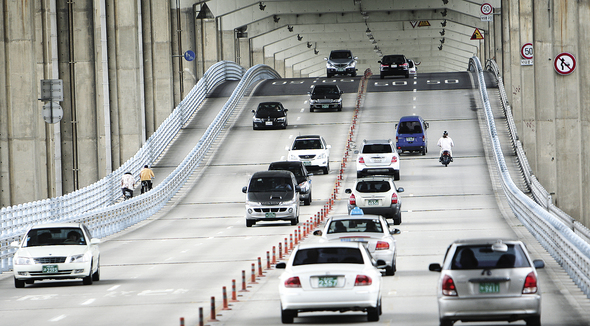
x=269 y=115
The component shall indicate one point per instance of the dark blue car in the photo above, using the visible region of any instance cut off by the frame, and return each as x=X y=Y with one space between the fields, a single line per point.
x=411 y=135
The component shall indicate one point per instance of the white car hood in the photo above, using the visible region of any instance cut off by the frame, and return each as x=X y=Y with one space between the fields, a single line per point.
x=309 y=152
x=55 y=251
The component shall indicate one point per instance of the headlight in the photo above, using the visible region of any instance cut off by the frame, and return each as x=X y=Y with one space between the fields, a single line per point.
x=321 y=156
x=80 y=258
x=252 y=203
x=281 y=119
x=329 y=65
x=304 y=186
x=20 y=260
x=256 y=119
x=351 y=65
x=293 y=157
x=291 y=202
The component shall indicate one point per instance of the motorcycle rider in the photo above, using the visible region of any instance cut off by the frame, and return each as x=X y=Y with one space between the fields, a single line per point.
x=445 y=143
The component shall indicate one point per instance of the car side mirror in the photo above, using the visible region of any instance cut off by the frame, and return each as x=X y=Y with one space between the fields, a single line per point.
x=395 y=231
x=326 y=59
x=253 y=111
x=348 y=191
x=435 y=267
x=94 y=241
x=317 y=232
x=356 y=58
x=297 y=188
x=395 y=126
x=538 y=263
x=281 y=265
x=286 y=110
x=14 y=244
x=379 y=61
x=426 y=126
x=400 y=189
x=328 y=146
x=244 y=189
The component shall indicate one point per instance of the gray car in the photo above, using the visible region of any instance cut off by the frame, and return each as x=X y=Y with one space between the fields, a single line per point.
x=488 y=280
x=341 y=62
x=303 y=177
x=376 y=195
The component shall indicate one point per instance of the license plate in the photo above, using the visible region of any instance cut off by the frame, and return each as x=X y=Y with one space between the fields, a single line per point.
x=268 y=123
x=327 y=282
x=373 y=202
x=393 y=66
x=340 y=69
x=306 y=162
x=270 y=215
x=325 y=106
x=489 y=287
x=49 y=269
x=409 y=138
x=353 y=240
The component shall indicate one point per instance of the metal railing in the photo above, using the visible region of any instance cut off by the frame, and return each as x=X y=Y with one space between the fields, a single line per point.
x=550 y=226
x=95 y=205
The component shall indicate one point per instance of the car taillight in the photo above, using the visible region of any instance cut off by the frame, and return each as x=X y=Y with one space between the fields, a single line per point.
x=394 y=198
x=384 y=66
x=362 y=280
x=352 y=199
x=423 y=139
x=448 y=286
x=530 y=284
x=361 y=160
x=405 y=65
x=382 y=245
x=394 y=159
x=396 y=139
x=293 y=282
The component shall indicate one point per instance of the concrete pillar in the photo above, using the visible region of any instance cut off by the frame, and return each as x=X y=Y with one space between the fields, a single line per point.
x=524 y=87
x=206 y=39
x=583 y=58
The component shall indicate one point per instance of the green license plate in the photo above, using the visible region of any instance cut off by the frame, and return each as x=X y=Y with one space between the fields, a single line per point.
x=306 y=162
x=49 y=269
x=489 y=287
x=327 y=282
x=409 y=138
x=270 y=215
x=373 y=202
x=325 y=106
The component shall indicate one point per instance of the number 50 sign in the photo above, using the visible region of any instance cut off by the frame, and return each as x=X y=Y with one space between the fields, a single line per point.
x=527 y=54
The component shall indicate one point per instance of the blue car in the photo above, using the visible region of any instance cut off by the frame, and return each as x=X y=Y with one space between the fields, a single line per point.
x=411 y=135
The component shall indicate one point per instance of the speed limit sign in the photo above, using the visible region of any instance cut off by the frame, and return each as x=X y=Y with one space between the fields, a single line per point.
x=527 y=51
x=486 y=8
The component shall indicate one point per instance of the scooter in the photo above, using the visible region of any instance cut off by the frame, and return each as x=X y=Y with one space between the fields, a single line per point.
x=445 y=158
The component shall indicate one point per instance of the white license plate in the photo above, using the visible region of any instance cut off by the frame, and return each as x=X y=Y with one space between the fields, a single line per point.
x=373 y=202
x=268 y=123
x=327 y=282
x=49 y=269
x=409 y=138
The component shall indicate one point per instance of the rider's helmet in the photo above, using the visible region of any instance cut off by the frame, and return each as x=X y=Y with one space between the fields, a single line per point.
x=445 y=133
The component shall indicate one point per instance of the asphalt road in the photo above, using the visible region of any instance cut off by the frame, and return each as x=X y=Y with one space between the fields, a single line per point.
x=168 y=267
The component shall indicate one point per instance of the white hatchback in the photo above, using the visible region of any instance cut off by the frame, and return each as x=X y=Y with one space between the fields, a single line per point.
x=312 y=150
x=339 y=276
x=56 y=251
x=377 y=157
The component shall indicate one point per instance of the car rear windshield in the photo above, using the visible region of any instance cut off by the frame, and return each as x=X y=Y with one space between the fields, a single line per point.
x=355 y=225
x=295 y=169
x=373 y=186
x=409 y=127
x=377 y=148
x=478 y=257
x=302 y=144
x=398 y=59
x=55 y=236
x=270 y=110
x=269 y=184
x=328 y=256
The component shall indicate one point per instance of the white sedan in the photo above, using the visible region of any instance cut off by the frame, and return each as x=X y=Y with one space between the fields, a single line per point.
x=56 y=251
x=371 y=230
x=338 y=276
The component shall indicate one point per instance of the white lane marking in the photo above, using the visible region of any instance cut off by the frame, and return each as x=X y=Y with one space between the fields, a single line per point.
x=87 y=302
x=184 y=251
x=282 y=159
x=302 y=109
x=37 y=297
x=156 y=292
x=298 y=118
x=58 y=318
x=414 y=98
x=414 y=92
x=112 y=288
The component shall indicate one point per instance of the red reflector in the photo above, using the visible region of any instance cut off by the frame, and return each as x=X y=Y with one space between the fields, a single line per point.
x=361 y=160
x=530 y=284
x=448 y=286
x=394 y=198
x=352 y=199
x=382 y=245
x=394 y=159
x=362 y=280
x=293 y=282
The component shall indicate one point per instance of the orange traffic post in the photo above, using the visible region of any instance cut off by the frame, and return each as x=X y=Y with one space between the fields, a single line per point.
x=253 y=278
x=201 y=319
x=225 y=304
x=181 y=321
x=274 y=255
x=244 y=282
x=280 y=250
x=213 y=310
x=260 y=267
x=234 y=294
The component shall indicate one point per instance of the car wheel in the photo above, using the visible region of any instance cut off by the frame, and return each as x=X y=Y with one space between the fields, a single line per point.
x=287 y=316
x=407 y=75
x=295 y=221
x=254 y=127
x=329 y=75
x=339 y=108
x=373 y=314
x=424 y=151
x=533 y=321
x=395 y=175
x=88 y=279
x=446 y=322
x=359 y=175
x=19 y=284
x=397 y=220
x=249 y=223
x=307 y=201
x=311 y=109
x=353 y=74
x=389 y=271
x=381 y=76
x=96 y=275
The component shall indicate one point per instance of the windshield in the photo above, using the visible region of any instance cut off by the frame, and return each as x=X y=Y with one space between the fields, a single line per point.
x=340 y=55
x=307 y=144
x=296 y=170
x=328 y=256
x=478 y=257
x=270 y=184
x=377 y=148
x=55 y=236
x=272 y=110
x=410 y=127
x=325 y=90
x=355 y=225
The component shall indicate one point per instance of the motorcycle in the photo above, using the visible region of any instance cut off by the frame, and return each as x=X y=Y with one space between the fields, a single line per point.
x=445 y=158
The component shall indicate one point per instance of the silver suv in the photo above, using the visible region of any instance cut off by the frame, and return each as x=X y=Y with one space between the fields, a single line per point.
x=341 y=62
x=377 y=157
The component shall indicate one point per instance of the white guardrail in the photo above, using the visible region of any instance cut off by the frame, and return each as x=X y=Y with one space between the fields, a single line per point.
x=96 y=205
x=557 y=232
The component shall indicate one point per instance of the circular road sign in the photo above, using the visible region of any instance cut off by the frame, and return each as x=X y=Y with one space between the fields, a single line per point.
x=189 y=55
x=527 y=51
x=564 y=63
x=486 y=8
x=52 y=112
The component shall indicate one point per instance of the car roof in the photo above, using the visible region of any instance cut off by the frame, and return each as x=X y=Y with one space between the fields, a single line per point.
x=375 y=178
x=484 y=241
x=351 y=244
x=56 y=225
x=273 y=173
x=394 y=55
x=410 y=118
x=340 y=51
x=286 y=163
x=377 y=141
x=325 y=86
x=356 y=217
x=271 y=102
x=308 y=137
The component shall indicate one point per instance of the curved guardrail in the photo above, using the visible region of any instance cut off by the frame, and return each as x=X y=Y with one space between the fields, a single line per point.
x=554 y=232
x=96 y=208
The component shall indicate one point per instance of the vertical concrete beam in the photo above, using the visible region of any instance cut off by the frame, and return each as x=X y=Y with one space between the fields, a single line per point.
x=584 y=79
x=206 y=39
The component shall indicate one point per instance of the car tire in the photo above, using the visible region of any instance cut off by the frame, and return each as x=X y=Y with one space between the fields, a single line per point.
x=389 y=270
x=287 y=316
x=381 y=76
x=395 y=175
x=424 y=151
x=88 y=279
x=19 y=284
x=353 y=74
x=339 y=108
x=359 y=175
x=307 y=202
x=311 y=109
x=96 y=275
x=254 y=127
x=326 y=169
x=373 y=314
x=30 y=282
x=329 y=75
x=446 y=322
x=533 y=321
x=295 y=221
x=397 y=220
x=249 y=223
x=407 y=75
